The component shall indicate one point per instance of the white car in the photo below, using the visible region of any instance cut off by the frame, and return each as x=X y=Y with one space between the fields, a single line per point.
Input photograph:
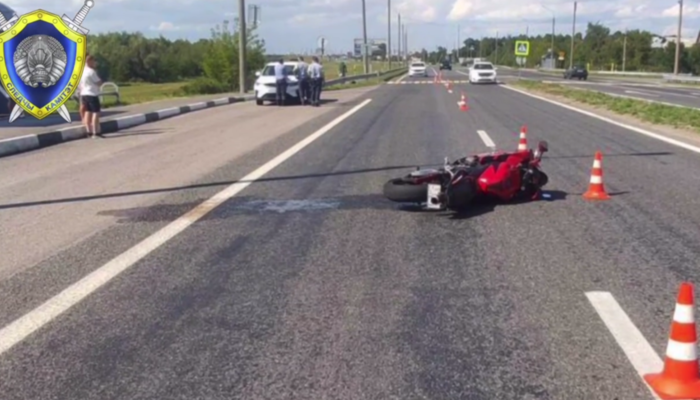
x=482 y=72
x=266 y=87
x=417 y=69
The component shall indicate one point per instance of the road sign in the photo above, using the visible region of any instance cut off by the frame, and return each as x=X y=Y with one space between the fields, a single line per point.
x=521 y=60
x=522 y=48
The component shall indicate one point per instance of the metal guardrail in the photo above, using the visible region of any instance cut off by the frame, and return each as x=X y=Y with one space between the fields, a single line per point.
x=340 y=81
x=114 y=92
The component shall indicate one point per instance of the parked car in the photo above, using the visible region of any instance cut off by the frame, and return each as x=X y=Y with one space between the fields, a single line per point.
x=446 y=65
x=578 y=71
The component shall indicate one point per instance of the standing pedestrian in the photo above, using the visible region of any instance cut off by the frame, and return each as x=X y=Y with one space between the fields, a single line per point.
x=281 y=82
x=316 y=76
x=302 y=72
x=90 y=84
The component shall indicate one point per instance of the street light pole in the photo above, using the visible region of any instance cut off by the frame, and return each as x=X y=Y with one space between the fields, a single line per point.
x=365 y=57
x=678 y=38
x=624 y=52
x=573 y=35
x=400 y=39
x=388 y=24
x=241 y=46
x=554 y=63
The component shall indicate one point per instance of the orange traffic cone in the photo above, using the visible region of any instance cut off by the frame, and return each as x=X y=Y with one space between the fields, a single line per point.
x=680 y=378
x=596 y=189
x=522 y=143
x=463 y=103
x=449 y=87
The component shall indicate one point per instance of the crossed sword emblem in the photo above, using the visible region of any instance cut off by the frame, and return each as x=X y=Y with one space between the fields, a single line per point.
x=73 y=24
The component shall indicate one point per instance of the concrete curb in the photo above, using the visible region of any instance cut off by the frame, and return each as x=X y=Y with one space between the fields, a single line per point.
x=26 y=143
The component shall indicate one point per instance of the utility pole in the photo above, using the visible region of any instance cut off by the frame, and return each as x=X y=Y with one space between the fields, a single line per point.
x=459 y=44
x=388 y=24
x=573 y=35
x=678 y=38
x=242 y=41
x=495 y=59
x=399 y=37
x=405 y=43
x=624 y=52
x=365 y=56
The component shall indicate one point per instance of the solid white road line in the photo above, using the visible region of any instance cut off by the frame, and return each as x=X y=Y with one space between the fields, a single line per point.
x=486 y=139
x=402 y=78
x=639 y=352
x=610 y=121
x=24 y=326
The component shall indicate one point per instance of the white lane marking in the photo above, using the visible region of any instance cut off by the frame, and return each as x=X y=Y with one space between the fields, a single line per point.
x=486 y=139
x=24 y=326
x=611 y=121
x=641 y=93
x=639 y=352
x=402 y=78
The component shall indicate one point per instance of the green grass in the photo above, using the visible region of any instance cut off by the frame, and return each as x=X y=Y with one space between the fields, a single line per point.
x=136 y=93
x=655 y=113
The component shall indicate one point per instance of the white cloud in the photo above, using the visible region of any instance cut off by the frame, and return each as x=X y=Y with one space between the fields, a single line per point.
x=165 y=27
x=294 y=25
x=460 y=9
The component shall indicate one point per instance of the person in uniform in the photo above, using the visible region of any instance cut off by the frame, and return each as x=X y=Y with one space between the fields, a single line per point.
x=316 y=77
x=302 y=72
x=281 y=82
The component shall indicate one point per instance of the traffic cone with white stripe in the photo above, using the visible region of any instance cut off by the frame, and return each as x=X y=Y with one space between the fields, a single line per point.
x=463 y=103
x=596 y=189
x=680 y=378
x=449 y=87
x=522 y=143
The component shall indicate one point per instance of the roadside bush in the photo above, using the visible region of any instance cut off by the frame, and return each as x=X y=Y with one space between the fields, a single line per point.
x=204 y=85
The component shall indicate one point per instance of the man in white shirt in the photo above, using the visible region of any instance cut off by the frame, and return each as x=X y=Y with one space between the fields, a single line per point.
x=316 y=77
x=90 y=84
x=302 y=72
x=281 y=82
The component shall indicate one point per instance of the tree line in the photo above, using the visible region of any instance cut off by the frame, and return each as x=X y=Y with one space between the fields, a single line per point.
x=207 y=65
x=599 y=48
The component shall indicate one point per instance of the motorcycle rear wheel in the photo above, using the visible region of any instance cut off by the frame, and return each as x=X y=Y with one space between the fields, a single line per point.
x=402 y=190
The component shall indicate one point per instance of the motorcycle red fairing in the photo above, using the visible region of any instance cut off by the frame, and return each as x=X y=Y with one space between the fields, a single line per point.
x=503 y=179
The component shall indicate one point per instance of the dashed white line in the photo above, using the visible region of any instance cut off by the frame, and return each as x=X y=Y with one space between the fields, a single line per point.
x=639 y=352
x=641 y=93
x=486 y=139
x=24 y=326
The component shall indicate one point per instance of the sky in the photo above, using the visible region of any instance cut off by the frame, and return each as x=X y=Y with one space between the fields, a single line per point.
x=294 y=26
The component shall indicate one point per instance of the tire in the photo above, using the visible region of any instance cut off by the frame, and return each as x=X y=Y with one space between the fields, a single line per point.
x=402 y=191
x=258 y=102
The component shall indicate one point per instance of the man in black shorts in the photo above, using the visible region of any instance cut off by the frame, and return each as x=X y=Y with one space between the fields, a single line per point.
x=90 y=86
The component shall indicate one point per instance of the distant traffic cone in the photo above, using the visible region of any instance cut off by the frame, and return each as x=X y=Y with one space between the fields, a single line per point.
x=596 y=189
x=522 y=143
x=680 y=378
x=449 y=87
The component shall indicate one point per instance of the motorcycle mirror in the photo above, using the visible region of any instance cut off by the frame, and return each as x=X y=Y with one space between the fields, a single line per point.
x=543 y=147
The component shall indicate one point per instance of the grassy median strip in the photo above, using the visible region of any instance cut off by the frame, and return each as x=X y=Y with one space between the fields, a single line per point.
x=655 y=113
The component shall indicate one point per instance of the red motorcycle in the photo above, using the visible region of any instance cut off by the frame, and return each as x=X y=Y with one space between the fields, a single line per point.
x=500 y=175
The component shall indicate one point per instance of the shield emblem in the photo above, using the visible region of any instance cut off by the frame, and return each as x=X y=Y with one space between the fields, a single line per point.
x=41 y=62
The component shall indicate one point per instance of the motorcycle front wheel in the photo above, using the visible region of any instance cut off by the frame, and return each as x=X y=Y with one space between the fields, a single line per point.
x=402 y=190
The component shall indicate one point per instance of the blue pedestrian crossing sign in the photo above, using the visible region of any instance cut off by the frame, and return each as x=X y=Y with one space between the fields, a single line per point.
x=522 y=48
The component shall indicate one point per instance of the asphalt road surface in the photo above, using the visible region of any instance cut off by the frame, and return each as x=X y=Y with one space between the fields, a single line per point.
x=308 y=284
x=644 y=89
